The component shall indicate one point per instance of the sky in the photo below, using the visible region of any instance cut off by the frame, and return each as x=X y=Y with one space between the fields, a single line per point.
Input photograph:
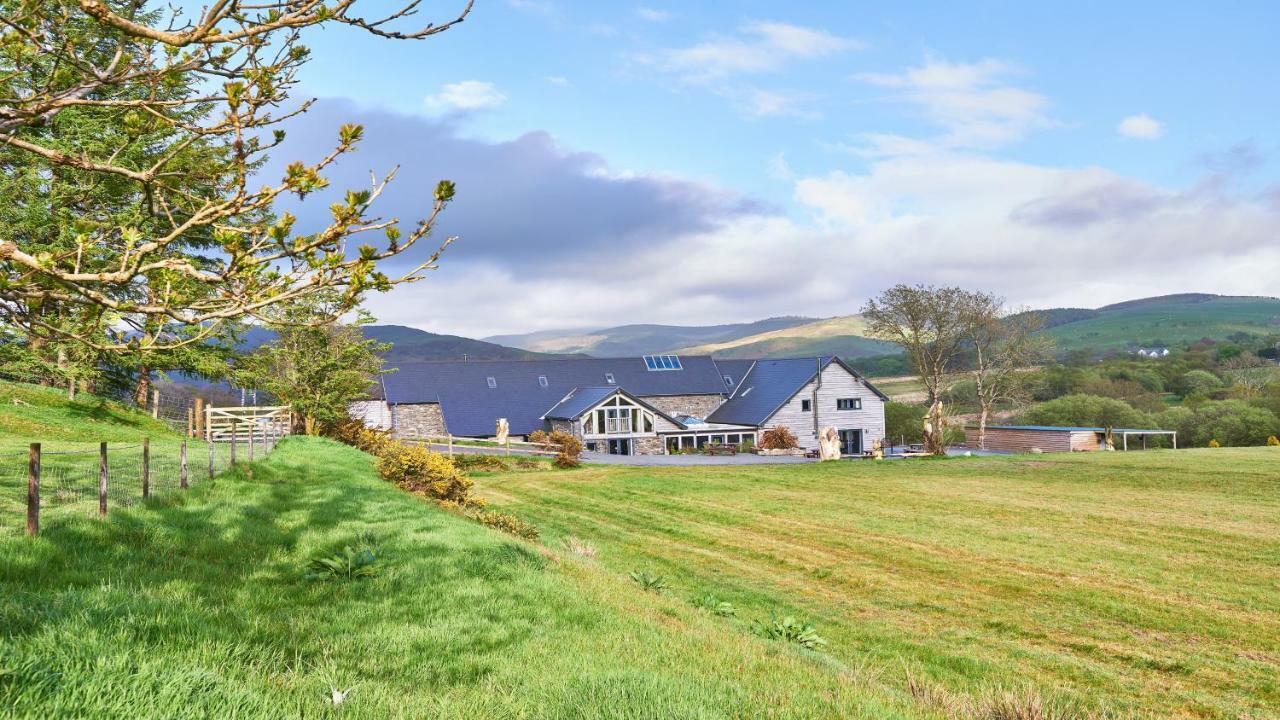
x=709 y=162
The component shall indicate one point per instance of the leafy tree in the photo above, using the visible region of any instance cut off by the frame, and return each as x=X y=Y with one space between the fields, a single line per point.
x=1230 y=422
x=931 y=324
x=149 y=127
x=1004 y=347
x=1086 y=411
x=318 y=369
x=1198 y=381
x=903 y=423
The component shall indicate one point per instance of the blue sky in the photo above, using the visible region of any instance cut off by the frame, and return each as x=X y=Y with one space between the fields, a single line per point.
x=751 y=159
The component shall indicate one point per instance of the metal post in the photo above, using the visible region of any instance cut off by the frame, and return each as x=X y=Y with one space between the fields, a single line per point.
x=102 y=480
x=146 y=468
x=251 y=442
x=182 y=466
x=1125 y=437
x=210 y=444
x=1175 y=440
x=33 y=490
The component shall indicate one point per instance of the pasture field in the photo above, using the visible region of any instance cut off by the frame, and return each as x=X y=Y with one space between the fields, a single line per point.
x=1141 y=583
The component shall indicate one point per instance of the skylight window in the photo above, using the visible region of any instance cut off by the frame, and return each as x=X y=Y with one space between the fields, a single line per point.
x=542 y=380
x=662 y=362
x=493 y=381
x=608 y=377
x=728 y=381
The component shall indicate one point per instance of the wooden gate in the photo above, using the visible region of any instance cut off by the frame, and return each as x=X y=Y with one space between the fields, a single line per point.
x=223 y=423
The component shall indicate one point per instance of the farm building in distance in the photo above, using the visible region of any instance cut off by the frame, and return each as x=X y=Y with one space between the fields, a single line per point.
x=1052 y=438
x=649 y=405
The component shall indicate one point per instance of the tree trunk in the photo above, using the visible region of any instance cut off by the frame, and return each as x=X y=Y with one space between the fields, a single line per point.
x=936 y=439
x=982 y=426
x=143 y=391
x=309 y=424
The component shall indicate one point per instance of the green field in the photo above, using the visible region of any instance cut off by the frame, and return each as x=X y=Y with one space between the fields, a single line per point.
x=1144 y=582
x=1170 y=323
x=1116 y=585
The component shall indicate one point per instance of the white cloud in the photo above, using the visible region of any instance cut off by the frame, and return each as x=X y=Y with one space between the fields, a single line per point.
x=466 y=95
x=973 y=102
x=558 y=80
x=652 y=14
x=1140 y=127
x=760 y=47
x=1038 y=235
x=769 y=103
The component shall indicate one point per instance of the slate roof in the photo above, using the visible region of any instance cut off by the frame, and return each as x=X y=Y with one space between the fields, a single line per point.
x=1064 y=428
x=471 y=407
x=578 y=401
x=769 y=385
x=735 y=369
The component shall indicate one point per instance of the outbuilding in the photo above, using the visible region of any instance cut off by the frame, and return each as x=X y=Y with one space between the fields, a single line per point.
x=1054 y=438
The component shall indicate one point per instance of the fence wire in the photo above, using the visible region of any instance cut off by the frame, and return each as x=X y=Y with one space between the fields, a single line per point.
x=69 y=479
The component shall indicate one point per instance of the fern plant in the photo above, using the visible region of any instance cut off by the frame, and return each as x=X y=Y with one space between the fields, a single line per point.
x=650 y=583
x=347 y=564
x=788 y=629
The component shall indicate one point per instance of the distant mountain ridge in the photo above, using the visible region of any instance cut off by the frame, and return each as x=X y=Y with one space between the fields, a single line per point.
x=1170 y=320
x=641 y=339
x=413 y=344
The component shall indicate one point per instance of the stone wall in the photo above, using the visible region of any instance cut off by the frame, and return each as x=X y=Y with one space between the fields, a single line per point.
x=649 y=446
x=417 y=420
x=699 y=406
x=565 y=426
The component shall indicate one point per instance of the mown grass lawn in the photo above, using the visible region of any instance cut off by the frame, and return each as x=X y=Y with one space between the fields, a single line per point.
x=1143 y=583
x=196 y=605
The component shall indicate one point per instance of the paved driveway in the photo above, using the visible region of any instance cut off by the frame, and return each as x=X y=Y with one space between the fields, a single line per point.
x=649 y=460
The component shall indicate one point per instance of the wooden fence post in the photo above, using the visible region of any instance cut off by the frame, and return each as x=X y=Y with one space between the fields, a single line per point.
x=198 y=413
x=146 y=468
x=450 y=445
x=102 y=480
x=251 y=429
x=191 y=422
x=182 y=466
x=233 y=444
x=210 y=444
x=33 y=490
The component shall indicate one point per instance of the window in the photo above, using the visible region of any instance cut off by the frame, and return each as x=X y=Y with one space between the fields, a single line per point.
x=493 y=382
x=542 y=380
x=662 y=362
x=608 y=377
x=849 y=404
x=728 y=381
x=806 y=405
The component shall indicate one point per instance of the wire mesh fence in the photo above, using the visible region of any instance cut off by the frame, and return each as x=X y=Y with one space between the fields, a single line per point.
x=71 y=475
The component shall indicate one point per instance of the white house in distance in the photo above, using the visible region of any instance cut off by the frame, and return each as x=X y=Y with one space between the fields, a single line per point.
x=654 y=404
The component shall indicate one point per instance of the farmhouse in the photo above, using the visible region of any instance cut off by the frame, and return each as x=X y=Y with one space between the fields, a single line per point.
x=1052 y=438
x=653 y=404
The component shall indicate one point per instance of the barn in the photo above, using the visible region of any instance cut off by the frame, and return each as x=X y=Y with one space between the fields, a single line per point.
x=1054 y=438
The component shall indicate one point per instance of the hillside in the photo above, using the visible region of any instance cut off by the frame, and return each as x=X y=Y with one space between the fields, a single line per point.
x=30 y=413
x=843 y=336
x=414 y=344
x=198 y=605
x=631 y=340
x=1173 y=320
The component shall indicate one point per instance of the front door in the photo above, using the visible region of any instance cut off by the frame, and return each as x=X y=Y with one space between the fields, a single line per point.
x=619 y=446
x=851 y=442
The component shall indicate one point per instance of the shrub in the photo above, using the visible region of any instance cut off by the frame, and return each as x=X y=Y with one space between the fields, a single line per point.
x=1214 y=444
x=790 y=630
x=650 y=583
x=347 y=564
x=421 y=471
x=527 y=464
x=538 y=436
x=570 y=447
x=480 y=462
x=507 y=523
x=1273 y=441
x=355 y=433
x=779 y=438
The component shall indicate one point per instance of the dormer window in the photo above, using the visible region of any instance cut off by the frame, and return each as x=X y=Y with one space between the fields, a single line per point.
x=608 y=377
x=542 y=381
x=492 y=381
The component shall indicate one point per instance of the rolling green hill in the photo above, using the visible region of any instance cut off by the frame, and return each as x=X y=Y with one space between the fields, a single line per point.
x=413 y=344
x=1172 y=321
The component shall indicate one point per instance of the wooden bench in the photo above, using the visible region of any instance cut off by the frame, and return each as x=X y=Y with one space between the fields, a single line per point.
x=722 y=449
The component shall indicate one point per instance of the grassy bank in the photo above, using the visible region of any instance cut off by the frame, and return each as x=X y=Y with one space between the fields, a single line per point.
x=198 y=606
x=1144 y=582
